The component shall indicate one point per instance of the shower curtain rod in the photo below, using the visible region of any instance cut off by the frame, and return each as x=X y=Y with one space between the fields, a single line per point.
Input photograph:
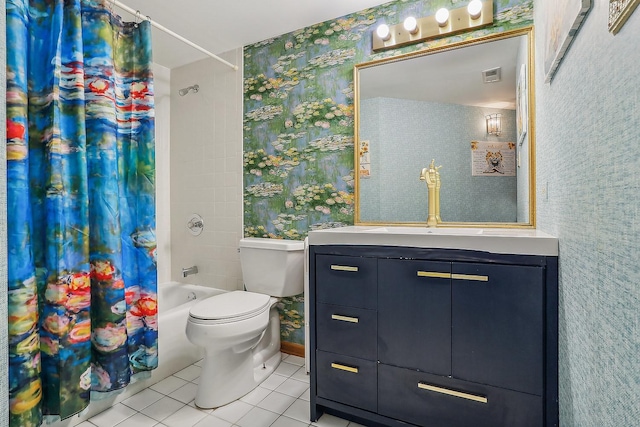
x=171 y=33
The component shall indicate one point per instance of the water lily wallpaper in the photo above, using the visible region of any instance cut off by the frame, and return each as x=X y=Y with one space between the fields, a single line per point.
x=299 y=117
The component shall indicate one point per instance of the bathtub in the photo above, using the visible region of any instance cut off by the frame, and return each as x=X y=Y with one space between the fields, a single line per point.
x=175 y=352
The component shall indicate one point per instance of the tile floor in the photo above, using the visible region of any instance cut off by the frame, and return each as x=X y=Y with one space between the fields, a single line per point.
x=282 y=400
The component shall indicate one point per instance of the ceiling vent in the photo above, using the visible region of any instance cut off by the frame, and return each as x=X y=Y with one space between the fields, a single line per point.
x=492 y=75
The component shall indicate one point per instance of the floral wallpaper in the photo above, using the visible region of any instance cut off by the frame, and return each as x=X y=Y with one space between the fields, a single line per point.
x=298 y=121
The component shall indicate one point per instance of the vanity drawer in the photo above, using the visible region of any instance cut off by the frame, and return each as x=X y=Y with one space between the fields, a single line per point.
x=346 y=280
x=435 y=401
x=347 y=380
x=347 y=330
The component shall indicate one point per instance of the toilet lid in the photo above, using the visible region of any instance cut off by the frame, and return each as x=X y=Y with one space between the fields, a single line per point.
x=230 y=305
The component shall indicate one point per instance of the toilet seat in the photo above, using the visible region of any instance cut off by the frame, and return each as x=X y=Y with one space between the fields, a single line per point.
x=229 y=307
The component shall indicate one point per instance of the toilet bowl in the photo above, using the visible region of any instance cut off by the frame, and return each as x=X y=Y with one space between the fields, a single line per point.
x=240 y=330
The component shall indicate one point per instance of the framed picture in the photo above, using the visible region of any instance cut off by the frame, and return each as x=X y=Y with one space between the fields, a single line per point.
x=522 y=105
x=563 y=20
x=619 y=12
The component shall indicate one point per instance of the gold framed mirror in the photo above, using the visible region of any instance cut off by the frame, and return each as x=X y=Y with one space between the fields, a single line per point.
x=444 y=104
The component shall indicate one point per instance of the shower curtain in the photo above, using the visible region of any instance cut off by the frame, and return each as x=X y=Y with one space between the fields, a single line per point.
x=81 y=205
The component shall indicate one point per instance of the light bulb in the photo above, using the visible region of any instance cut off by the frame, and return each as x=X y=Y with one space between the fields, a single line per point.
x=383 y=32
x=442 y=16
x=411 y=25
x=474 y=9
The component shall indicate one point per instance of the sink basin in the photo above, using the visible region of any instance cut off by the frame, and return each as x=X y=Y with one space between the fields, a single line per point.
x=426 y=231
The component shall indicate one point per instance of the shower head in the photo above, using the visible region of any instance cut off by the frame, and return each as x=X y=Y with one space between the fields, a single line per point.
x=186 y=90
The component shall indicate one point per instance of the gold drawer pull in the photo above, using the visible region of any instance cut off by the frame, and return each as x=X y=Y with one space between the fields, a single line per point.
x=434 y=274
x=344 y=318
x=470 y=277
x=344 y=368
x=449 y=392
x=343 y=268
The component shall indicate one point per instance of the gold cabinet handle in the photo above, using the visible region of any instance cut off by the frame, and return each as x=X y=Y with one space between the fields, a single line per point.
x=470 y=277
x=449 y=392
x=435 y=274
x=343 y=268
x=344 y=318
x=344 y=368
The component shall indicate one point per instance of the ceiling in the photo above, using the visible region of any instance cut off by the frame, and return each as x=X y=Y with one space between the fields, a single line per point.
x=222 y=25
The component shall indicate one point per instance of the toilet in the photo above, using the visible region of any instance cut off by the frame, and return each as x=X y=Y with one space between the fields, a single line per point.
x=240 y=330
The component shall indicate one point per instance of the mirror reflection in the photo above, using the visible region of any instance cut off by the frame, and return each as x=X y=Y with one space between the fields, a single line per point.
x=465 y=108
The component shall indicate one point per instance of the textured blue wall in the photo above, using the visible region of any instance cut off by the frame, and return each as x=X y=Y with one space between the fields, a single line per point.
x=407 y=134
x=588 y=151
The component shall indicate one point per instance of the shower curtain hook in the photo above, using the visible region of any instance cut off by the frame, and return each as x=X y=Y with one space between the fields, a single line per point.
x=138 y=19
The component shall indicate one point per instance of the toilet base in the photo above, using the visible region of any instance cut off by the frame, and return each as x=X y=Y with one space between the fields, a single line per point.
x=235 y=382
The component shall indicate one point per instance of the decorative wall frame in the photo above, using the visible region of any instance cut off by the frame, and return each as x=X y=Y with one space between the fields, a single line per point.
x=563 y=21
x=522 y=105
x=619 y=12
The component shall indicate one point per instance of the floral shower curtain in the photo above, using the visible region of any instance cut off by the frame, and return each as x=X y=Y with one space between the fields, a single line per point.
x=81 y=195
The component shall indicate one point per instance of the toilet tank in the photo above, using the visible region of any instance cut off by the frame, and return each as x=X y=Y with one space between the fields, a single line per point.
x=272 y=266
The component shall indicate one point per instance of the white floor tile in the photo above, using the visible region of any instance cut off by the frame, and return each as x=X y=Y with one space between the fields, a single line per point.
x=196 y=380
x=233 y=411
x=327 y=420
x=288 y=422
x=85 y=424
x=352 y=424
x=292 y=387
x=255 y=396
x=138 y=420
x=198 y=363
x=211 y=421
x=286 y=369
x=257 y=417
x=184 y=417
x=168 y=385
x=301 y=375
x=162 y=408
x=186 y=393
x=273 y=381
x=306 y=395
x=112 y=416
x=299 y=410
x=276 y=402
x=189 y=373
x=295 y=360
x=141 y=400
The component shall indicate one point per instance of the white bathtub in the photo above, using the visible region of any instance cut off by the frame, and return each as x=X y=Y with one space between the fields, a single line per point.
x=175 y=352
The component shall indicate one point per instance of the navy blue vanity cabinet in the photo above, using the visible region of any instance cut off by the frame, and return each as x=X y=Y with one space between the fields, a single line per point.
x=414 y=315
x=442 y=338
x=346 y=330
x=498 y=325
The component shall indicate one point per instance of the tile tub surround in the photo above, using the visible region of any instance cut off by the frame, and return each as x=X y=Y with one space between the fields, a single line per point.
x=282 y=400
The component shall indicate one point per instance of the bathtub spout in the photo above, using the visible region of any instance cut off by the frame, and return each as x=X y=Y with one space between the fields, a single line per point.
x=189 y=270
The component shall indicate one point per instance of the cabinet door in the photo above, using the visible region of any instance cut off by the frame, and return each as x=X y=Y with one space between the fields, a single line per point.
x=414 y=314
x=497 y=325
x=346 y=280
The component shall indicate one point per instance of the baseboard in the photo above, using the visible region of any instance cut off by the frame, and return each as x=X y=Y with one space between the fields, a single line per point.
x=292 y=348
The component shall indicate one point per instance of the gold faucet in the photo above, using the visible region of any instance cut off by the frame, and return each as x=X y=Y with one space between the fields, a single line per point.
x=432 y=177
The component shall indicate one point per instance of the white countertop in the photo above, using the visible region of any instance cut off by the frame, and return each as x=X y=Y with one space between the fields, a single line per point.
x=519 y=241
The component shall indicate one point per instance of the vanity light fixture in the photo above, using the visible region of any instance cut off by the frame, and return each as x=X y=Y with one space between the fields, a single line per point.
x=475 y=9
x=477 y=14
x=383 y=32
x=494 y=124
x=411 y=24
x=442 y=16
